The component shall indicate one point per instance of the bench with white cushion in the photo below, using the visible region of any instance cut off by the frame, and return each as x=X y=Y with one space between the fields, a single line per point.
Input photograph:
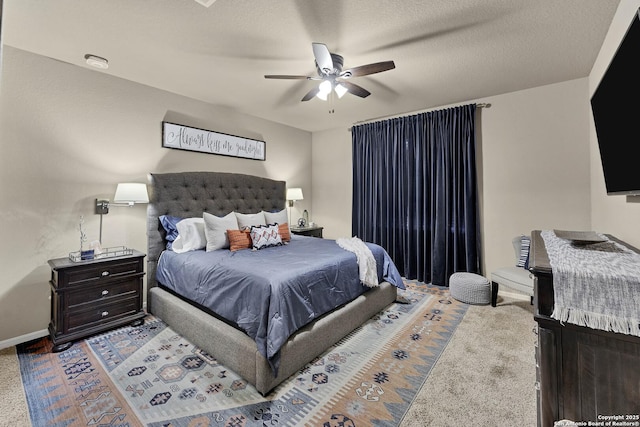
x=513 y=277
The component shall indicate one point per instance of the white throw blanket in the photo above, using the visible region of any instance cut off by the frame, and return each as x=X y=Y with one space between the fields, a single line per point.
x=595 y=285
x=366 y=261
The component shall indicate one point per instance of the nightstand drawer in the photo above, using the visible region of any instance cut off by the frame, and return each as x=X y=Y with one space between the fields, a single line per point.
x=102 y=292
x=103 y=313
x=92 y=273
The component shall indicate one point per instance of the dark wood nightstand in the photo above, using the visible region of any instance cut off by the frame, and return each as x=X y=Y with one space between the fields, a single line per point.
x=88 y=297
x=313 y=231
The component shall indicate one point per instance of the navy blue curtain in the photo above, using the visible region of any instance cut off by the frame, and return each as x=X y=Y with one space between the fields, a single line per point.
x=415 y=192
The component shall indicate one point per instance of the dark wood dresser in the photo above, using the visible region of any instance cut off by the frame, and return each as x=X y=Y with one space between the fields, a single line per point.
x=88 y=297
x=583 y=374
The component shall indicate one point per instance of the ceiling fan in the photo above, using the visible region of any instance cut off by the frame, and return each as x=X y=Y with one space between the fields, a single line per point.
x=333 y=77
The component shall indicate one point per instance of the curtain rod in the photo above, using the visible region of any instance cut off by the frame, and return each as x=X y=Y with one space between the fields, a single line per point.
x=479 y=105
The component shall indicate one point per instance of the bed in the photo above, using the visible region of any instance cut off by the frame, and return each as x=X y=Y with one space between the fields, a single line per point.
x=188 y=195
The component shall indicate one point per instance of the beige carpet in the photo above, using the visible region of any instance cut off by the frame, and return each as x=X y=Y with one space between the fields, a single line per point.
x=13 y=404
x=485 y=376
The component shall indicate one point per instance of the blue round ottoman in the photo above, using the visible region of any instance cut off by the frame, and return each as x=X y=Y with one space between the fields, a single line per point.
x=470 y=288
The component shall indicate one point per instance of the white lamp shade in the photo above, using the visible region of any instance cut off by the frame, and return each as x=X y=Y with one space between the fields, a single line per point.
x=294 y=194
x=324 y=89
x=131 y=192
x=341 y=90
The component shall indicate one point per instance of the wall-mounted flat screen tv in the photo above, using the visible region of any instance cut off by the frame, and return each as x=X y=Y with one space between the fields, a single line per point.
x=616 y=112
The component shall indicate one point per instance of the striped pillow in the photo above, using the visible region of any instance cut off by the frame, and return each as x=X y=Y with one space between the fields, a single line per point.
x=239 y=239
x=283 y=229
x=523 y=259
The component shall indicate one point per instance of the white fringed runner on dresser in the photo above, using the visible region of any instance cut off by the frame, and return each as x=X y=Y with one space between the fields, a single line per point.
x=595 y=285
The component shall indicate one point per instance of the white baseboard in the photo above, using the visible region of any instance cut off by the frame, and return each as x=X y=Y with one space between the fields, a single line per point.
x=35 y=335
x=23 y=338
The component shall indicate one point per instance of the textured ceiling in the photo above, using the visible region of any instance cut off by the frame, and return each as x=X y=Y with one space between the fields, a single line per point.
x=445 y=51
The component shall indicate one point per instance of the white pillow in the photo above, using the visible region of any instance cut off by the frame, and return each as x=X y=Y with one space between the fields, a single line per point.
x=215 y=228
x=191 y=236
x=248 y=220
x=276 y=217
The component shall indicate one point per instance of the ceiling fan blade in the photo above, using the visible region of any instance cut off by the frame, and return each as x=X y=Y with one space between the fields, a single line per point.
x=284 y=76
x=313 y=92
x=355 y=89
x=323 y=57
x=365 y=70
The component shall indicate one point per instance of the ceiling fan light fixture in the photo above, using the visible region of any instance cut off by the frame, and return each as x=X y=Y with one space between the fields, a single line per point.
x=324 y=90
x=340 y=90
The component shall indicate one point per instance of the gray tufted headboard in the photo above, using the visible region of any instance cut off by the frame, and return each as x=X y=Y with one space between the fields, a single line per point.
x=188 y=194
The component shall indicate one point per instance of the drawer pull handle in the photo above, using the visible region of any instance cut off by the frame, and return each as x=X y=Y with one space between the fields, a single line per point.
x=105 y=273
x=105 y=292
x=105 y=313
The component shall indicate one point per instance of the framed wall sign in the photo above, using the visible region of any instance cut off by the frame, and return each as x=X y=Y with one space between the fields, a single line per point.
x=206 y=141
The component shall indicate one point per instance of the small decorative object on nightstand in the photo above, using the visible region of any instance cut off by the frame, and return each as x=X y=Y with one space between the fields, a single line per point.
x=92 y=296
x=311 y=230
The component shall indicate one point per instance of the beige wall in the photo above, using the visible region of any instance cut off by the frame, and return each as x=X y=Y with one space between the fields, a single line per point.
x=68 y=135
x=331 y=178
x=535 y=150
x=534 y=154
x=617 y=215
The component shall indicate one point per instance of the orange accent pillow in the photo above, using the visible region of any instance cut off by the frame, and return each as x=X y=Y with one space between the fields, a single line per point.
x=283 y=229
x=239 y=239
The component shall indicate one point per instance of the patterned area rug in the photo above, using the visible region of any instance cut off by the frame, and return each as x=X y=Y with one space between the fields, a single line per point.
x=149 y=375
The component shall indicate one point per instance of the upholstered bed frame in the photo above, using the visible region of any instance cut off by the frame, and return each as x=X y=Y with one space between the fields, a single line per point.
x=188 y=194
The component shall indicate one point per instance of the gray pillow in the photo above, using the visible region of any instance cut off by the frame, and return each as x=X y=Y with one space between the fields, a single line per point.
x=215 y=229
x=276 y=217
x=248 y=220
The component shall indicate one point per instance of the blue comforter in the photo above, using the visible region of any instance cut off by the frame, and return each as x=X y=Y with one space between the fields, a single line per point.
x=272 y=292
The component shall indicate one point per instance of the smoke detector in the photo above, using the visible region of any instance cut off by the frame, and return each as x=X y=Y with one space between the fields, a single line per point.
x=96 y=61
x=206 y=3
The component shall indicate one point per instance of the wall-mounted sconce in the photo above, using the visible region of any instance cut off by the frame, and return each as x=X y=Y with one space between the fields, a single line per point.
x=127 y=194
x=293 y=194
